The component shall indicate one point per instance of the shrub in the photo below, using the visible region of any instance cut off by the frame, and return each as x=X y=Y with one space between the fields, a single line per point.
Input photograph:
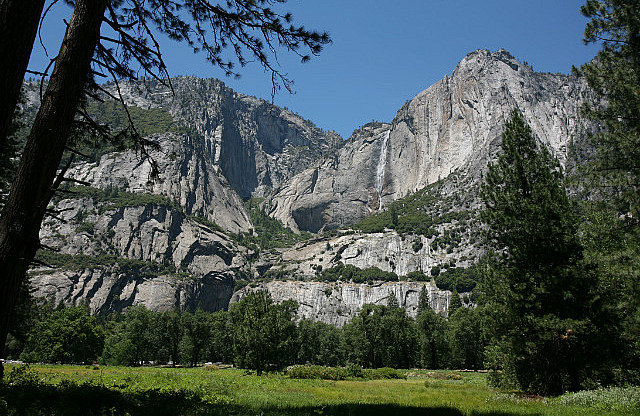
x=86 y=227
x=613 y=399
x=384 y=373
x=342 y=373
x=317 y=372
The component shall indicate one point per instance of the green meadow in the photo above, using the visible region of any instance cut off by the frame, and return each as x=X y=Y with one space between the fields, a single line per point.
x=81 y=390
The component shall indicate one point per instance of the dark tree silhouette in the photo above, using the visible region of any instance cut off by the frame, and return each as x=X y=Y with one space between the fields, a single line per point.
x=18 y=28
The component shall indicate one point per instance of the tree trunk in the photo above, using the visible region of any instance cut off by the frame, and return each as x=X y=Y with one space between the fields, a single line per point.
x=32 y=188
x=18 y=27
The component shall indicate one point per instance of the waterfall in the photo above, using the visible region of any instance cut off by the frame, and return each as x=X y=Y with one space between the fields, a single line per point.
x=381 y=168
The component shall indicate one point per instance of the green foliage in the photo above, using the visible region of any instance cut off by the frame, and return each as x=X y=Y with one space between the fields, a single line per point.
x=317 y=372
x=612 y=175
x=207 y=223
x=417 y=276
x=455 y=303
x=78 y=390
x=432 y=332
x=458 y=278
x=543 y=299
x=467 y=340
x=615 y=77
x=318 y=343
x=168 y=334
x=197 y=334
x=264 y=333
x=424 y=301
x=420 y=213
x=220 y=348
x=616 y=399
x=381 y=337
x=146 y=120
x=104 y=261
x=351 y=273
x=113 y=198
x=112 y=116
x=68 y=335
x=268 y=232
x=86 y=227
x=342 y=373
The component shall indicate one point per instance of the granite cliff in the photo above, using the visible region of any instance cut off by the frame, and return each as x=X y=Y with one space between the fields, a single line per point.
x=190 y=236
x=453 y=126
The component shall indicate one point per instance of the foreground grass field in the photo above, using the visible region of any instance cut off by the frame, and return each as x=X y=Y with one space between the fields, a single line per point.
x=75 y=390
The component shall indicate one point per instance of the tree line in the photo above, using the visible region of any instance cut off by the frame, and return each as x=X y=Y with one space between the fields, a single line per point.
x=255 y=334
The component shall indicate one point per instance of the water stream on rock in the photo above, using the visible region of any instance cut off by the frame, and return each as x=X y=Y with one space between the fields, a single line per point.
x=380 y=170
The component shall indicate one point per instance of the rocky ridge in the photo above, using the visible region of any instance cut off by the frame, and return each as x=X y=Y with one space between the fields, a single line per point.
x=256 y=146
x=337 y=303
x=453 y=126
x=184 y=230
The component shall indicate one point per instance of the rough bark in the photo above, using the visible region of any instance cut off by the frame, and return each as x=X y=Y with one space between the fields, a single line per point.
x=18 y=27
x=32 y=188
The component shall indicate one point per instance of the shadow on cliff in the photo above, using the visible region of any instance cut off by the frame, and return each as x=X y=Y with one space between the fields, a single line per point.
x=69 y=398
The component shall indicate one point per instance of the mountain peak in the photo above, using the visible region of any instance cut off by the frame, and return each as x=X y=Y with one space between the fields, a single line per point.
x=483 y=58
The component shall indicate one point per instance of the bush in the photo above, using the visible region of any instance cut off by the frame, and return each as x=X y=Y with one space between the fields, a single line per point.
x=384 y=373
x=317 y=372
x=354 y=370
x=612 y=399
x=342 y=373
x=23 y=375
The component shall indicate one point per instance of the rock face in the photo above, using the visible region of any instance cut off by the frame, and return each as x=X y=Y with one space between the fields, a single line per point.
x=453 y=126
x=345 y=187
x=112 y=290
x=148 y=233
x=115 y=257
x=387 y=251
x=174 y=240
x=187 y=175
x=337 y=303
x=256 y=145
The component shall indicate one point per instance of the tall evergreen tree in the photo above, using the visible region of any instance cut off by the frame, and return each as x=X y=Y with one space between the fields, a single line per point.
x=264 y=333
x=612 y=226
x=432 y=332
x=424 y=302
x=455 y=302
x=614 y=75
x=546 y=332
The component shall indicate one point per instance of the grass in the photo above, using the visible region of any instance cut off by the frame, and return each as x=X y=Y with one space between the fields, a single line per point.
x=71 y=390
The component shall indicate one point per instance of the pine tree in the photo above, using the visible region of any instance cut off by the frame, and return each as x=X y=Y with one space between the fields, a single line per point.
x=545 y=299
x=455 y=302
x=615 y=77
x=392 y=302
x=424 y=302
x=612 y=226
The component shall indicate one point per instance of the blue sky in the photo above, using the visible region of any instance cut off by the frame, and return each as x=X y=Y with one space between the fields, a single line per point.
x=385 y=52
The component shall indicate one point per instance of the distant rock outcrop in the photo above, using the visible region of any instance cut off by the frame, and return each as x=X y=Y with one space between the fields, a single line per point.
x=337 y=303
x=257 y=146
x=453 y=126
